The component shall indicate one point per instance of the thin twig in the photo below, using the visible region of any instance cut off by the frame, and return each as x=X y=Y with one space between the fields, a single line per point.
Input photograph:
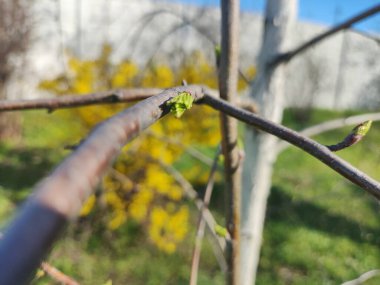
x=206 y=214
x=367 y=35
x=363 y=278
x=71 y=101
x=98 y=98
x=285 y=57
x=201 y=222
x=57 y=275
x=331 y=125
x=317 y=150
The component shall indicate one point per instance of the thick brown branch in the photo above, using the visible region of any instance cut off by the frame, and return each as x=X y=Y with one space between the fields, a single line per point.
x=317 y=150
x=285 y=57
x=54 y=273
x=60 y=196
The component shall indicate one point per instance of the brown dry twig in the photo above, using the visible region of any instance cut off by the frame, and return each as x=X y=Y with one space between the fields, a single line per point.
x=71 y=101
x=202 y=222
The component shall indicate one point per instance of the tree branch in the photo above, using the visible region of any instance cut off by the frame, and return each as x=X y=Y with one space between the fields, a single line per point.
x=285 y=57
x=317 y=150
x=363 y=278
x=60 y=196
x=202 y=222
x=54 y=273
x=57 y=275
x=206 y=214
x=331 y=125
x=97 y=98
x=71 y=101
x=228 y=77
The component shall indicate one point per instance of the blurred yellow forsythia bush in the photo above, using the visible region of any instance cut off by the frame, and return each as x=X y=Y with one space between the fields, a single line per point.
x=137 y=187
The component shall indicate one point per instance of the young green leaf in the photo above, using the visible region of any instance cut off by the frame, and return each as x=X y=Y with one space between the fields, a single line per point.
x=179 y=104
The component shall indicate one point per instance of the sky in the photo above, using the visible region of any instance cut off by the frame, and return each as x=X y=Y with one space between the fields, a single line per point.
x=327 y=12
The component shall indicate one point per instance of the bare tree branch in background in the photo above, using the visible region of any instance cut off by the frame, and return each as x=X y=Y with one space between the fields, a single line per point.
x=363 y=278
x=367 y=35
x=184 y=22
x=201 y=225
x=15 y=31
x=218 y=243
x=57 y=275
x=287 y=56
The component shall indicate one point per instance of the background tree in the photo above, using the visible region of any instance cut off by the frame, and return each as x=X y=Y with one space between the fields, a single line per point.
x=15 y=31
x=268 y=92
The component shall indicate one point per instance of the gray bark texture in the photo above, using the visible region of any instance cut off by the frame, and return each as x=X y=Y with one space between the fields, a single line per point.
x=260 y=148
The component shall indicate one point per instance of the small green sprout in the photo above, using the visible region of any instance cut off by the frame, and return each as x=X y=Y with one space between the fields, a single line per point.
x=179 y=104
x=220 y=231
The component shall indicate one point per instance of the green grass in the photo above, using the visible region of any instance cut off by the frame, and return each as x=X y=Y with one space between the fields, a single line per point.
x=320 y=228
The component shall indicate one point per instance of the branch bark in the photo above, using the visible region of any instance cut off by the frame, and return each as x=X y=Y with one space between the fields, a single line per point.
x=228 y=77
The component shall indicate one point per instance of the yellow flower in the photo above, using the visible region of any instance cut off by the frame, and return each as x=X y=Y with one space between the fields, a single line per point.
x=88 y=206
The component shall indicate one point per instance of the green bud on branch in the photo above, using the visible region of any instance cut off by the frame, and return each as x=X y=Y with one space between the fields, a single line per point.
x=220 y=231
x=179 y=104
x=354 y=137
